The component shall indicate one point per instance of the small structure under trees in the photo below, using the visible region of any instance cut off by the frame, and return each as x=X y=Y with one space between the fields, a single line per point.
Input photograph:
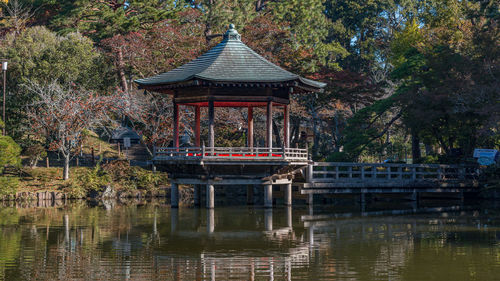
x=230 y=75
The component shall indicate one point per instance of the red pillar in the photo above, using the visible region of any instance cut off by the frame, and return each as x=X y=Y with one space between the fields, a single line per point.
x=197 y=126
x=176 y=125
x=250 y=126
x=286 y=125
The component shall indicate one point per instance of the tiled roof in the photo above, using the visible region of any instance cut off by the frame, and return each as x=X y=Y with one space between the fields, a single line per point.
x=229 y=61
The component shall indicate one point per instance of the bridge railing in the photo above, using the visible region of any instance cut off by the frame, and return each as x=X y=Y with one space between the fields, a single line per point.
x=339 y=171
x=230 y=153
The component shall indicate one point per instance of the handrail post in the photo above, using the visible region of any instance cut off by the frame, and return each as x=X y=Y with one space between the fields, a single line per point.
x=362 y=172
x=203 y=150
x=284 y=152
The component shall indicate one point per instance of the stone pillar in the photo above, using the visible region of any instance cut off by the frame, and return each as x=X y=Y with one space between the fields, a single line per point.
x=197 y=126
x=174 y=219
x=176 y=124
x=197 y=195
x=210 y=221
x=268 y=219
x=268 y=196
x=269 y=125
x=174 y=196
x=211 y=113
x=286 y=127
x=210 y=196
x=250 y=199
x=289 y=216
x=250 y=127
x=287 y=200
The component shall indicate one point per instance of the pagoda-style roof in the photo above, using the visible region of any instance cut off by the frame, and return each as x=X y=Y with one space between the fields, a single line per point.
x=230 y=62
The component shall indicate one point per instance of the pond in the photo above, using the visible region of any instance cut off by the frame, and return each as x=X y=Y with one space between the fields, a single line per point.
x=153 y=242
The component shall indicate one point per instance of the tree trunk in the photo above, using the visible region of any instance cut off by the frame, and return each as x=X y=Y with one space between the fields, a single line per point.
x=66 y=166
x=120 y=65
x=415 y=147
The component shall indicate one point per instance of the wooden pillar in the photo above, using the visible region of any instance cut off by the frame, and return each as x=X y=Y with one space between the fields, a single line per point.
x=286 y=129
x=268 y=196
x=176 y=125
x=210 y=196
x=269 y=125
x=174 y=196
x=211 y=140
x=250 y=126
x=288 y=195
x=197 y=126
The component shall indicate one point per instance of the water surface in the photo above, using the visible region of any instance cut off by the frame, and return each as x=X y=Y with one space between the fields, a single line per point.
x=152 y=242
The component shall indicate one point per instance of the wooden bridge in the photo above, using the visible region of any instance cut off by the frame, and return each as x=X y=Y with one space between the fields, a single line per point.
x=363 y=178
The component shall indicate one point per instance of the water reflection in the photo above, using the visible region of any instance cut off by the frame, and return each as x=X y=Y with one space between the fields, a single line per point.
x=151 y=242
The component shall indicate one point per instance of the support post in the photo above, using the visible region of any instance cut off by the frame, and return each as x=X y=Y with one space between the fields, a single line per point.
x=197 y=126
x=210 y=196
x=268 y=196
x=289 y=216
x=310 y=199
x=211 y=137
x=250 y=127
x=210 y=221
x=288 y=195
x=174 y=195
x=268 y=219
x=250 y=194
x=269 y=125
x=309 y=173
x=197 y=195
x=286 y=127
x=176 y=124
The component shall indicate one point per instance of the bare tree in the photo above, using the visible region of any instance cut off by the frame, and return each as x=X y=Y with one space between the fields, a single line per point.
x=62 y=114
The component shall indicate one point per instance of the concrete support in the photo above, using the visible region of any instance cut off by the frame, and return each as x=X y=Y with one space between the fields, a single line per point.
x=268 y=219
x=174 y=219
x=288 y=211
x=286 y=127
x=197 y=126
x=210 y=221
x=309 y=173
x=310 y=199
x=211 y=113
x=210 y=196
x=176 y=125
x=197 y=195
x=269 y=125
x=287 y=200
x=268 y=196
x=174 y=195
x=250 y=200
x=250 y=127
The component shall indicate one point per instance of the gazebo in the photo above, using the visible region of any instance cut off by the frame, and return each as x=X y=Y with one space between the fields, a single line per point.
x=229 y=75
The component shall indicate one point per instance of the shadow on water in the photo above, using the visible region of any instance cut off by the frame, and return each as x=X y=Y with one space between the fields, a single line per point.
x=150 y=241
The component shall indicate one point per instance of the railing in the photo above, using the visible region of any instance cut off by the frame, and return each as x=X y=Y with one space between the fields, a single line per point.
x=229 y=153
x=338 y=172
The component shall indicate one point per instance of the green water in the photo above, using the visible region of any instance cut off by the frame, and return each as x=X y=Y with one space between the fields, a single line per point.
x=152 y=242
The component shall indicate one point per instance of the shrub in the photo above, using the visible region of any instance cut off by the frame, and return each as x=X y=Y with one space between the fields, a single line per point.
x=93 y=179
x=9 y=152
x=8 y=185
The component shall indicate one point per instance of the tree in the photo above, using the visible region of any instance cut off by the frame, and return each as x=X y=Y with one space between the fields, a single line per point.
x=39 y=55
x=62 y=114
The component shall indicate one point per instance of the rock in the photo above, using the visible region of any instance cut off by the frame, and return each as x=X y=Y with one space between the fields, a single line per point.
x=109 y=192
x=59 y=196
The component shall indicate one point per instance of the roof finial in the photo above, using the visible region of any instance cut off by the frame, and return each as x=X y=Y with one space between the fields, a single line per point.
x=232 y=34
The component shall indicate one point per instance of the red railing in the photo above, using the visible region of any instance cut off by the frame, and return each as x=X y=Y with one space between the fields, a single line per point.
x=229 y=153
